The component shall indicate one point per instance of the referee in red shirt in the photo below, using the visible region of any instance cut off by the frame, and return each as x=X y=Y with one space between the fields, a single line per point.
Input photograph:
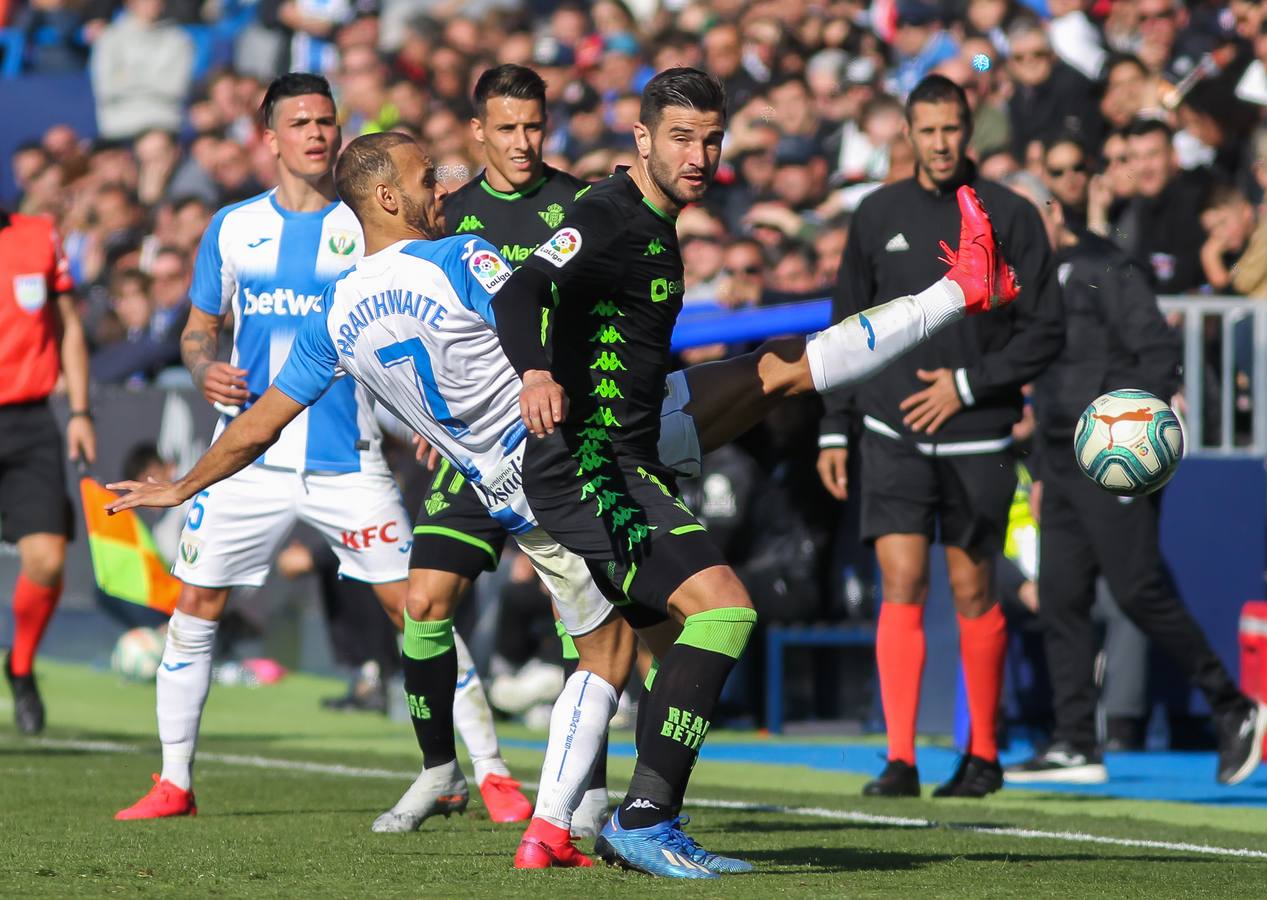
x=40 y=336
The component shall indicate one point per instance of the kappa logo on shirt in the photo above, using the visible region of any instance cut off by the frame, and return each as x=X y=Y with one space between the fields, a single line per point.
x=561 y=247
x=897 y=243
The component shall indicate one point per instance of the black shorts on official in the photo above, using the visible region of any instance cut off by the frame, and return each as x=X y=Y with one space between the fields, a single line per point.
x=33 y=496
x=453 y=531
x=639 y=540
x=958 y=500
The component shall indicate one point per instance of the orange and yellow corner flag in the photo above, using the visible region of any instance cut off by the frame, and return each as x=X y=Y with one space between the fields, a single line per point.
x=125 y=560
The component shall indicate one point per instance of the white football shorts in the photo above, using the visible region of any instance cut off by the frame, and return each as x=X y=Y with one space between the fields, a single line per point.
x=679 y=441
x=234 y=528
x=580 y=604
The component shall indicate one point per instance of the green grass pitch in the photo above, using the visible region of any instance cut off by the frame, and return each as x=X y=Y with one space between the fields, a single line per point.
x=269 y=827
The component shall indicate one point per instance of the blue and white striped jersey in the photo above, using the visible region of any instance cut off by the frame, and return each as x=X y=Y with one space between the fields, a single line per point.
x=269 y=266
x=413 y=323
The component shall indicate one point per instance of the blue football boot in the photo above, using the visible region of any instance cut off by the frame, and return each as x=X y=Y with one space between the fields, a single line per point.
x=662 y=849
x=722 y=865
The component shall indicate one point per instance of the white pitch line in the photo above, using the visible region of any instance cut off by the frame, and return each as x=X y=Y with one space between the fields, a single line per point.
x=814 y=812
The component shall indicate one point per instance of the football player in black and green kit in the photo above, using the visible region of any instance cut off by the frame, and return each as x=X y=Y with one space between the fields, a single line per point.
x=515 y=203
x=587 y=323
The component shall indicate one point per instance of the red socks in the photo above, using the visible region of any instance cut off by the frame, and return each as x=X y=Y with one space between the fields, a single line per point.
x=33 y=606
x=982 y=647
x=899 y=655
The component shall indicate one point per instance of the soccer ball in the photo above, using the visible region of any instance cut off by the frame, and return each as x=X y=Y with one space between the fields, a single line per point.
x=137 y=654
x=1129 y=442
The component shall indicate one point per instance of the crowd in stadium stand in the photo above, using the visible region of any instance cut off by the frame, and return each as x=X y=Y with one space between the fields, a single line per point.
x=1144 y=117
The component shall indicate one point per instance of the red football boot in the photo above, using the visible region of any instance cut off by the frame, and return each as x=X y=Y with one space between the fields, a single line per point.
x=978 y=266
x=546 y=846
x=164 y=799
x=505 y=802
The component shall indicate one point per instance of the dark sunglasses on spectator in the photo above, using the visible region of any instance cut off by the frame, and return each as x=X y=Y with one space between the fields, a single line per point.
x=746 y=270
x=1037 y=54
x=1157 y=16
x=1080 y=168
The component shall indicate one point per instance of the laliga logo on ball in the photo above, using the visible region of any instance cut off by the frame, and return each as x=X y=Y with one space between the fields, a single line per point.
x=981 y=62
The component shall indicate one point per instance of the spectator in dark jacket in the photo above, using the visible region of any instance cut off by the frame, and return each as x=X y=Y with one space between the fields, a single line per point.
x=1049 y=98
x=132 y=358
x=1161 y=225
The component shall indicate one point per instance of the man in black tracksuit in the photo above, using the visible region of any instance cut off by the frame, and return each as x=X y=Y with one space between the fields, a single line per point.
x=936 y=428
x=1116 y=337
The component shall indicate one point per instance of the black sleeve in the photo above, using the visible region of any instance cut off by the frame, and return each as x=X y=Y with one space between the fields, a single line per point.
x=522 y=308
x=1133 y=317
x=855 y=288
x=1038 y=333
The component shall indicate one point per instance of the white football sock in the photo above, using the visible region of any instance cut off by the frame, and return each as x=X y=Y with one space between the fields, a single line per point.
x=577 y=727
x=591 y=813
x=473 y=718
x=184 y=677
x=860 y=345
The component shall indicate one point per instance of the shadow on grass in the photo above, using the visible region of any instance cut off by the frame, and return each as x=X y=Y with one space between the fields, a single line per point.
x=854 y=859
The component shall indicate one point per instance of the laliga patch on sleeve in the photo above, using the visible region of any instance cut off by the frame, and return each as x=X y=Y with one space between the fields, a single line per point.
x=561 y=247
x=31 y=291
x=489 y=270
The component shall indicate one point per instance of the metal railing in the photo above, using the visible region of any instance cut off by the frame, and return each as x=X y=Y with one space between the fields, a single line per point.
x=1224 y=373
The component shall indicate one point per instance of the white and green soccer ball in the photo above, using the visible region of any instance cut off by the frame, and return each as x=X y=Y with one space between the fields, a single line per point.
x=1129 y=442
x=137 y=654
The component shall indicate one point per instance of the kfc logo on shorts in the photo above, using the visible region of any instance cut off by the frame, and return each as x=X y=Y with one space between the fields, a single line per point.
x=31 y=291
x=364 y=538
x=489 y=270
x=561 y=247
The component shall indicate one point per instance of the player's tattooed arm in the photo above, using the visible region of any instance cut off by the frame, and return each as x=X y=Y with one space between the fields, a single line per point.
x=219 y=382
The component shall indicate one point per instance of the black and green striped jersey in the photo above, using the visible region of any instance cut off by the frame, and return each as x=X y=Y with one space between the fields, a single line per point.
x=616 y=272
x=515 y=223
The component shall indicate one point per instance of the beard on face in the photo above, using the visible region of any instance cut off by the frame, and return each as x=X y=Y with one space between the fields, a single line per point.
x=664 y=178
x=415 y=216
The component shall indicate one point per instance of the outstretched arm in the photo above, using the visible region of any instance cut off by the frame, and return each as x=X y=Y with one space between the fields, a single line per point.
x=251 y=434
x=731 y=396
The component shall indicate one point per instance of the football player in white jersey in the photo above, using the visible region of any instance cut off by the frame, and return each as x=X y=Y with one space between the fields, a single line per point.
x=267 y=261
x=412 y=322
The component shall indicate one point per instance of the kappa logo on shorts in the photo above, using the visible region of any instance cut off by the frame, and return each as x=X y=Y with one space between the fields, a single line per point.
x=190 y=551
x=561 y=247
x=365 y=537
